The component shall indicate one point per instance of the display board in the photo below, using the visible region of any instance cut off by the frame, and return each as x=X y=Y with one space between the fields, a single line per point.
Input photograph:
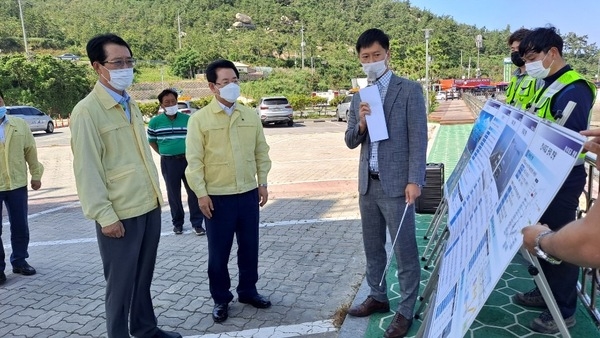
x=511 y=168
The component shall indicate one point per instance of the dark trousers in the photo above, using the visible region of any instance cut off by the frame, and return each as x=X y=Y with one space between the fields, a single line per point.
x=173 y=171
x=233 y=214
x=16 y=205
x=128 y=268
x=562 y=278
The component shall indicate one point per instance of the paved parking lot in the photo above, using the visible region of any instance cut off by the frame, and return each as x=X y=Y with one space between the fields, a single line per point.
x=311 y=260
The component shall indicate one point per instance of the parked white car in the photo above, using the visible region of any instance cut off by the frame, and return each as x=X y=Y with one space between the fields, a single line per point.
x=343 y=107
x=35 y=118
x=276 y=110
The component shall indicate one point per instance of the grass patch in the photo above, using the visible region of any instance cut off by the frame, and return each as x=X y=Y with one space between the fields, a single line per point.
x=340 y=315
x=155 y=74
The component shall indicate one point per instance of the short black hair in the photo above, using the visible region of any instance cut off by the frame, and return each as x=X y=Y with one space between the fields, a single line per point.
x=540 y=40
x=211 y=70
x=518 y=35
x=95 y=47
x=370 y=36
x=168 y=91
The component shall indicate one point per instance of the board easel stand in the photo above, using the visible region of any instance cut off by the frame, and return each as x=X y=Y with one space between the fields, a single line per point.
x=439 y=234
x=428 y=296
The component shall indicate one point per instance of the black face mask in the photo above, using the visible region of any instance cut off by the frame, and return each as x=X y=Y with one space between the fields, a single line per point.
x=516 y=59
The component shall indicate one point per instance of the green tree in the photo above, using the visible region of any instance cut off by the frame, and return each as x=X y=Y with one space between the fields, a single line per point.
x=52 y=85
x=186 y=63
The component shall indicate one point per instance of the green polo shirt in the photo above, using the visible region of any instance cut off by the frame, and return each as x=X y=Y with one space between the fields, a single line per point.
x=168 y=134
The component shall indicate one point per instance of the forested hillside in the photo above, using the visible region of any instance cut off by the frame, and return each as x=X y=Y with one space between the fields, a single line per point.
x=330 y=30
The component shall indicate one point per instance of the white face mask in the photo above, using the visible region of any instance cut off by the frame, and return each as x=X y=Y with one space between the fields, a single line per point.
x=120 y=79
x=536 y=68
x=172 y=110
x=374 y=70
x=230 y=93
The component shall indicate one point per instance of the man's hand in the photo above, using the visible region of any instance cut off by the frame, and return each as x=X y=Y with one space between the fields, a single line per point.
x=411 y=192
x=35 y=184
x=115 y=230
x=530 y=233
x=206 y=206
x=263 y=195
x=363 y=111
x=593 y=145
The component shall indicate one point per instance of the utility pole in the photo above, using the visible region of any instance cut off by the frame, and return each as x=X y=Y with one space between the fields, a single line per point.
x=427 y=30
x=179 y=28
x=302 y=44
x=24 y=33
x=469 y=69
x=479 y=44
x=462 y=68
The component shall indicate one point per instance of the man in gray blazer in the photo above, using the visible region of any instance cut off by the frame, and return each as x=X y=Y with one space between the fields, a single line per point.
x=390 y=176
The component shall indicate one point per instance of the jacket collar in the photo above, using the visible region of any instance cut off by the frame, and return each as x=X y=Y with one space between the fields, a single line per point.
x=106 y=100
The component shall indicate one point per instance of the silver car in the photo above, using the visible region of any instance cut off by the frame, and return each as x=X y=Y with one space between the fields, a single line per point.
x=68 y=57
x=343 y=108
x=35 y=118
x=275 y=109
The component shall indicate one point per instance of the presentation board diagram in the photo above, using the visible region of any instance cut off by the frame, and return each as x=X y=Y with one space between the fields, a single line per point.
x=511 y=168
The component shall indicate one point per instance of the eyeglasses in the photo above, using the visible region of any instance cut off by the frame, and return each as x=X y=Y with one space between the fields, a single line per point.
x=225 y=83
x=128 y=63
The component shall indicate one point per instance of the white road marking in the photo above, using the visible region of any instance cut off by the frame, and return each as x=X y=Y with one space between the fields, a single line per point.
x=164 y=234
x=38 y=214
x=284 y=331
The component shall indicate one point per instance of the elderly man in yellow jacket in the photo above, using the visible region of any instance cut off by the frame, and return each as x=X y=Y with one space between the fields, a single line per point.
x=117 y=184
x=17 y=147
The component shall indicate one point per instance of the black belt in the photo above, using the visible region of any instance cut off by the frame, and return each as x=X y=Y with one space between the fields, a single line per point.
x=174 y=157
x=374 y=176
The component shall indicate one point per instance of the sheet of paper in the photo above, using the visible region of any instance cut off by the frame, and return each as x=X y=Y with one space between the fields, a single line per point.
x=376 y=121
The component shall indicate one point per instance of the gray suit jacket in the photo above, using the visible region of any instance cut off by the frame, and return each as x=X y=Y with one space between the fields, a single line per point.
x=402 y=157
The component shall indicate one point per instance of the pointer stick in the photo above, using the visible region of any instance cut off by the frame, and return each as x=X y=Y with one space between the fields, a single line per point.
x=389 y=259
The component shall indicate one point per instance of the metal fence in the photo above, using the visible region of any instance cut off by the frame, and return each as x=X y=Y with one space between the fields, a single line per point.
x=587 y=287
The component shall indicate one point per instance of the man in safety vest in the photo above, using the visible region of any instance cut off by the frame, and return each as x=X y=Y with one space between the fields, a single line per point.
x=542 y=52
x=522 y=87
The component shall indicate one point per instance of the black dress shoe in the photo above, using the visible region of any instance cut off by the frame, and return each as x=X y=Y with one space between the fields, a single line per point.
x=2 y=278
x=258 y=301
x=166 y=334
x=26 y=270
x=220 y=312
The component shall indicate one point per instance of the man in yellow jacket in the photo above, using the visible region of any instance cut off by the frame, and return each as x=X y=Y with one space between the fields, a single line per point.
x=17 y=147
x=227 y=154
x=117 y=184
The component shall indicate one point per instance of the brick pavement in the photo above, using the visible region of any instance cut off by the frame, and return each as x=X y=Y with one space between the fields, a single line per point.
x=311 y=259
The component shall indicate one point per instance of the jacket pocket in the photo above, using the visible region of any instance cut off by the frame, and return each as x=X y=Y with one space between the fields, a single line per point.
x=126 y=188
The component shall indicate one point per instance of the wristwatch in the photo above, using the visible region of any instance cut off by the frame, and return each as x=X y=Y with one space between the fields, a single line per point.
x=541 y=253
x=263 y=185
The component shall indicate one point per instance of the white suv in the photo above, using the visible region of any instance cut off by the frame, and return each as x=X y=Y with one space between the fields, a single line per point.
x=35 y=118
x=343 y=108
x=276 y=109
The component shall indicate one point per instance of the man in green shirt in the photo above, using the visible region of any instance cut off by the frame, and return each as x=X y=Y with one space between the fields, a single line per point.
x=166 y=135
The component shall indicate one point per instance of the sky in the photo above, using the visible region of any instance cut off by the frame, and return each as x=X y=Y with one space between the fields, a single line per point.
x=578 y=16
